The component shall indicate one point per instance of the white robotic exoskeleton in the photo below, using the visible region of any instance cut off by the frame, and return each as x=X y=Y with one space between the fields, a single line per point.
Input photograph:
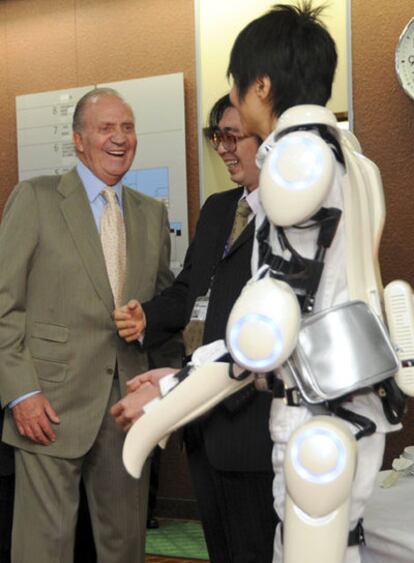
x=264 y=328
x=364 y=214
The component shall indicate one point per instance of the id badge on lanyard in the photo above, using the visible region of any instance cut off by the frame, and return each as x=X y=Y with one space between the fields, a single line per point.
x=199 y=312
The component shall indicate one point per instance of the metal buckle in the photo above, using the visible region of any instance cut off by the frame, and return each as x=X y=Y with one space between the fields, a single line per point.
x=292 y=397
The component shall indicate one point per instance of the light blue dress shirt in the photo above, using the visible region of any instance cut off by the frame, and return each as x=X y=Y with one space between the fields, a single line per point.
x=93 y=187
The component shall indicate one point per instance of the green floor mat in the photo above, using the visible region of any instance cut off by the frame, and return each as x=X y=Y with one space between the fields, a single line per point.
x=177 y=538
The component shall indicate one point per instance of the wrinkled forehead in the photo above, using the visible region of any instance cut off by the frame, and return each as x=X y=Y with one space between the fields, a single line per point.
x=108 y=108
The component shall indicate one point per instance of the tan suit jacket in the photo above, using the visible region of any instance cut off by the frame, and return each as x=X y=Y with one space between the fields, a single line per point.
x=56 y=304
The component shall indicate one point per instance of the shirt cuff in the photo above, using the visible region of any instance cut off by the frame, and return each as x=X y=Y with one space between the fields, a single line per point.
x=22 y=398
x=167 y=383
x=209 y=353
x=151 y=404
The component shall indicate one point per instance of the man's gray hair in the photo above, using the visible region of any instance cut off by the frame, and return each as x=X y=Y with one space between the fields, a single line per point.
x=77 y=122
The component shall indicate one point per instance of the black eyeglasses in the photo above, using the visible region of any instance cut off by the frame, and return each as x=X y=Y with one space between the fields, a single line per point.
x=228 y=140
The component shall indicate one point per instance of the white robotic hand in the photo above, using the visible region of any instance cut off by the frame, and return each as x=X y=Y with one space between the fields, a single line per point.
x=319 y=469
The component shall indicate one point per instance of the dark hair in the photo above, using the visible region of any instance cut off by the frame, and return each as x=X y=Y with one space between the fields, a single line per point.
x=291 y=46
x=216 y=113
x=77 y=121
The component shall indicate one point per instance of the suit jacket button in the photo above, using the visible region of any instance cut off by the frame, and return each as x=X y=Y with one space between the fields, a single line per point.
x=109 y=371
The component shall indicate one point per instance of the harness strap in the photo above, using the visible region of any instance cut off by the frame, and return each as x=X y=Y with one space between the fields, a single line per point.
x=366 y=426
x=393 y=400
x=302 y=274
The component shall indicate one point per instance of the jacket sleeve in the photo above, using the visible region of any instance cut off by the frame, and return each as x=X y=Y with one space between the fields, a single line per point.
x=166 y=313
x=164 y=276
x=19 y=235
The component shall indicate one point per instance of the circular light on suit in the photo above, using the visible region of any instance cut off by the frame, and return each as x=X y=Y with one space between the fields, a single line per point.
x=296 y=177
x=319 y=468
x=331 y=456
x=263 y=325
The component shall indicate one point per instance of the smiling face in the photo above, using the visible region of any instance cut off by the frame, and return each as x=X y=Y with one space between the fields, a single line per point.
x=240 y=162
x=106 y=142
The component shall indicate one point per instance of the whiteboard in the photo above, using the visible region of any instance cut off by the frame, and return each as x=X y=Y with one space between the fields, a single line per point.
x=44 y=142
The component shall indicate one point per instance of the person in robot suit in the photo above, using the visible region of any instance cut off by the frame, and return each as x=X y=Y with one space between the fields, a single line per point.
x=282 y=66
x=280 y=61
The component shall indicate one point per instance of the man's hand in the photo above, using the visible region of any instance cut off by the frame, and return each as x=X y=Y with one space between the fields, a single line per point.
x=153 y=376
x=33 y=416
x=130 y=408
x=130 y=320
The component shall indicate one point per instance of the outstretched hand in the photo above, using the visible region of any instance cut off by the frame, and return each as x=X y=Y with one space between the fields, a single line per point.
x=130 y=408
x=130 y=320
x=153 y=376
x=141 y=389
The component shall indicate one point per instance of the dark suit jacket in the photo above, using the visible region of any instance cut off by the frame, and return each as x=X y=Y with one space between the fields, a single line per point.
x=236 y=433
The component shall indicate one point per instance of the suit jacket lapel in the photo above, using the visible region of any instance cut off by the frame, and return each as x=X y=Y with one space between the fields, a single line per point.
x=136 y=237
x=78 y=215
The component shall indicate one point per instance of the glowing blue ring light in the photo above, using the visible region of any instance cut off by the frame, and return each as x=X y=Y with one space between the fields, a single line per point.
x=296 y=177
x=261 y=363
x=306 y=473
x=312 y=162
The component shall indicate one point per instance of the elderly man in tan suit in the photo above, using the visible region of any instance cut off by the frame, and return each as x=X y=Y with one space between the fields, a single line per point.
x=71 y=248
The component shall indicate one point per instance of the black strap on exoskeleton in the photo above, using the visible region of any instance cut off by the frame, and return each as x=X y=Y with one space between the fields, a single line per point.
x=323 y=131
x=392 y=398
x=366 y=426
x=302 y=274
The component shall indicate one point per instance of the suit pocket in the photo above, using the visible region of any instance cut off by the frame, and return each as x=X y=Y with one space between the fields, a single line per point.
x=49 y=342
x=52 y=332
x=50 y=371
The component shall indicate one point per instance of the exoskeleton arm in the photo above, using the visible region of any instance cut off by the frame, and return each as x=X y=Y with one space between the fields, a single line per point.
x=204 y=387
x=262 y=332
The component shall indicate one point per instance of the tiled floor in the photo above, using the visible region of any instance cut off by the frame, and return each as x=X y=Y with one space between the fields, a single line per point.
x=159 y=559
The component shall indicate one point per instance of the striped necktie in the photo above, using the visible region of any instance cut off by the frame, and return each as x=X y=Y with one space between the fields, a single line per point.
x=240 y=221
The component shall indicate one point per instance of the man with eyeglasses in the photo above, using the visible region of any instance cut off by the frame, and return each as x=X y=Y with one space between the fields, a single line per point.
x=229 y=450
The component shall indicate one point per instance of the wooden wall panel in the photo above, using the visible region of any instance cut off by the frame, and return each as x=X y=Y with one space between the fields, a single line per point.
x=41 y=46
x=384 y=124
x=7 y=138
